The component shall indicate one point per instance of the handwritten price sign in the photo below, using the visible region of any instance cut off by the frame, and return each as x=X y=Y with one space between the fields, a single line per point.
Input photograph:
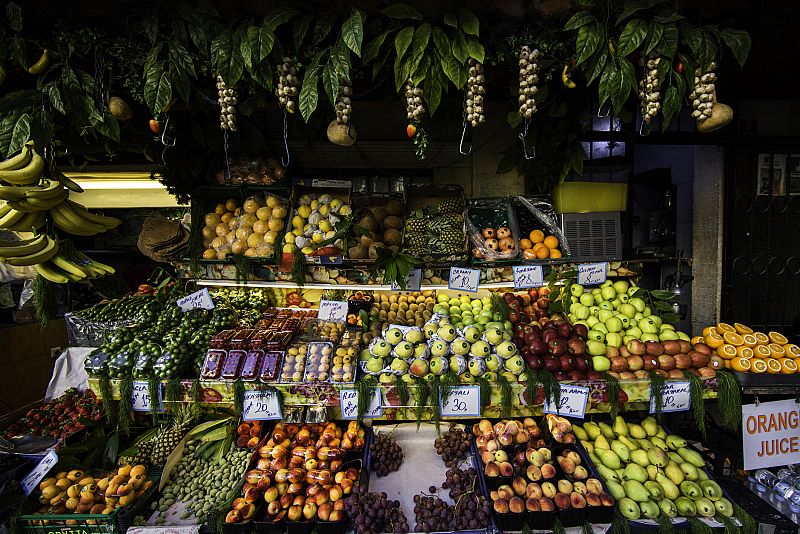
x=676 y=397
x=332 y=310
x=30 y=482
x=261 y=406
x=464 y=279
x=461 y=401
x=413 y=281
x=142 y=398
x=590 y=274
x=526 y=276
x=198 y=299
x=572 y=402
x=348 y=400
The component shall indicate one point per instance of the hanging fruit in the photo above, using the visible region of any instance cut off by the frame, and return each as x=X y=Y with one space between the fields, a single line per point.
x=344 y=108
x=703 y=95
x=476 y=88
x=288 y=84
x=415 y=109
x=650 y=90
x=227 y=105
x=528 y=80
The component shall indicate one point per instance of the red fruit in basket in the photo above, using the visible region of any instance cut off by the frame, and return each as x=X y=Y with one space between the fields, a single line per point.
x=552 y=364
x=576 y=347
x=534 y=361
x=489 y=233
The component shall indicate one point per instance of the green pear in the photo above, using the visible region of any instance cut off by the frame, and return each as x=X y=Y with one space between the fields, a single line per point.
x=632 y=444
x=652 y=472
x=645 y=444
x=691 y=489
x=675 y=442
x=658 y=442
x=693 y=457
x=607 y=431
x=608 y=458
x=620 y=426
x=724 y=507
x=701 y=475
x=621 y=450
x=588 y=445
x=656 y=492
x=689 y=471
x=635 y=472
x=580 y=433
x=658 y=457
x=650 y=426
x=601 y=443
x=674 y=472
x=593 y=457
x=668 y=508
x=635 y=490
x=675 y=457
x=639 y=457
x=607 y=474
x=705 y=508
x=685 y=507
x=649 y=509
x=661 y=434
x=615 y=490
x=671 y=490
x=711 y=490
x=636 y=431
x=592 y=430
x=629 y=509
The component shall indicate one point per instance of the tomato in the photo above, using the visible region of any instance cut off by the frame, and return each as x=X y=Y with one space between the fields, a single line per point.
x=155 y=126
x=411 y=131
x=679 y=68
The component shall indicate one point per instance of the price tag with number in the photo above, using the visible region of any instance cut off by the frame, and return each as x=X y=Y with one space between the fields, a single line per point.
x=198 y=299
x=413 y=281
x=590 y=274
x=30 y=482
x=142 y=398
x=332 y=310
x=461 y=401
x=526 y=276
x=261 y=406
x=572 y=402
x=676 y=397
x=348 y=400
x=462 y=279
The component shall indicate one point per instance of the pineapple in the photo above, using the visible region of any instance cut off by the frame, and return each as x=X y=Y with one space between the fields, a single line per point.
x=169 y=437
x=449 y=205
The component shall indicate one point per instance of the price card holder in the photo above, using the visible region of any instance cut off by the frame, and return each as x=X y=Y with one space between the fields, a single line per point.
x=526 y=276
x=332 y=310
x=413 y=281
x=461 y=401
x=261 y=406
x=348 y=402
x=198 y=299
x=676 y=397
x=142 y=398
x=572 y=402
x=31 y=481
x=590 y=274
x=462 y=279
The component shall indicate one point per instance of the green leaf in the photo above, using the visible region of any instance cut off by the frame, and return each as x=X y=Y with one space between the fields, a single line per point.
x=661 y=294
x=634 y=6
x=607 y=80
x=180 y=58
x=308 y=92
x=54 y=94
x=301 y=30
x=459 y=46
x=587 y=42
x=153 y=74
x=601 y=57
x=662 y=69
x=668 y=44
x=451 y=19
x=340 y=57
x=433 y=94
x=621 y=86
x=401 y=11
x=509 y=161
x=468 y=22
x=628 y=74
x=14 y=16
x=632 y=36
x=580 y=18
x=226 y=59
x=739 y=43
x=330 y=81
x=669 y=106
x=403 y=40
x=670 y=318
x=422 y=35
x=419 y=68
x=660 y=305
x=668 y=16
x=261 y=40
x=322 y=28
x=278 y=16
x=401 y=71
x=372 y=48
x=163 y=94
x=454 y=70
x=475 y=50
x=653 y=36
x=262 y=75
x=20 y=134
x=108 y=127
x=353 y=31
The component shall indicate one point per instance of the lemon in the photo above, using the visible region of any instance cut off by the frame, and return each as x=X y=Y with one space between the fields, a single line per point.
x=298 y=221
x=324 y=210
x=298 y=233
x=317 y=237
x=304 y=211
x=325 y=226
x=336 y=204
x=279 y=212
x=314 y=204
x=306 y=250
x=289 y=237
x=289 y=247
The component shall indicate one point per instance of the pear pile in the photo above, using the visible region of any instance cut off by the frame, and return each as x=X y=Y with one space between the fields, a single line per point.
x=651 y=473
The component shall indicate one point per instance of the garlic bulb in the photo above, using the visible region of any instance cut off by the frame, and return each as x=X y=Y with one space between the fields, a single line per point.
x=415 y=109
x=227 y=99
x=476 y=89
x=344 y=109
x=528 y=80
x=703 y=95
x=288 y=84
x=650 y=90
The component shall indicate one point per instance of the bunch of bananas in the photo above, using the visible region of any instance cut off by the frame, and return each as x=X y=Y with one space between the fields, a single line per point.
x=23 y=169
x=54 y=264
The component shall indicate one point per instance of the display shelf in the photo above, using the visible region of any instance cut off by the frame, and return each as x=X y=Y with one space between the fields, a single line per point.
x=769 y=384
x=221 y=393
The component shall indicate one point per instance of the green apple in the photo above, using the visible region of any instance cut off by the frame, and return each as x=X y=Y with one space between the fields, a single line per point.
x=656 y=319
x=627 y=310
x=665 y=326
x=600 y=363
x=598 y=298
x=591 y=321
x=465 y=299
x=464 y=306
x=492 y=362
x=637 y=303
x=441 y=297
x=667 y=335
x=684 y=336
x=573 y=306
x=620 y=286
x=616 y=303
x=608 y=293
x=486 y=302
x=613 y=339
x=386 y=379
x=614 y=324
x=498 y=316
x=606 y=305
x=515 y=364
x=441 y=308
x=605 y=315
x=576 y=290
x=594 y=310
x=582 y=312
x=587 y=299
x=595 y=291
x=625 y=320
x=627 y=338
x=647 y=311
x=648 y=326
x=468 y=320
x=648 y=337
x=596 y=335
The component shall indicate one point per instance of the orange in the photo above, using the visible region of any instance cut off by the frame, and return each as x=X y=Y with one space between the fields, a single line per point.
x=773 y=366
x=555 y=253
x=744 y=352
x=742 y=328
x=788 y=366
x=740 y=364
x=543 y=252
x=749 y=340
x=726 y=364
x=775 y=337
x=758 y=366
x=525 y=244
x=733 y=338
x=714 y=340
x=724 y=327
x=537 y=236
x=537 y=246
x=727 y=351
x=776 y=351
x=761 y=338
x=697 y=339
x=709 y=330
x=551 y=242
x=761 y=351
x=792 y=350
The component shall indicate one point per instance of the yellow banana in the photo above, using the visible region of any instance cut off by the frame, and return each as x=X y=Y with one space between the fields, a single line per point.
x=19 y=161
x=88 y=262
x=27 y=175
x=40 y=66
x=102 y=220
x=68 y=226
x=30 y=222
x=52 y=273
x=67 y=266
x=66 y=182
x=23 y=248
x=51 y=189
x=26 y=207
x=12 y=193
x=11 y=218
x=103 y=267
x=76 y=221
x=49 y=250
x=46 y=203
x=5 y=209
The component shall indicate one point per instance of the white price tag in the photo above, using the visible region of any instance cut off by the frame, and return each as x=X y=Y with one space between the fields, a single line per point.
x=332 y=310
x=413 y=281
x=676 y=397
x=572 y=402
x=461 y=401
x=462 y=279
x=590 y=274
x=261 y=406
x=30 y=482
x=526 y=276
x=142 y=398
x=348 y=401
x=198 y=299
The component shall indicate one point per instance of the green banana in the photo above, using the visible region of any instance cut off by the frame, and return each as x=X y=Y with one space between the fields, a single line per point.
x=47 y=203
x=74 y=223
x=29 y=222
x=26 y=175
x=68 y=267
x=49 y=250
x=48 y=272
x=11 y=218
x=10 y=249
x=19 y=161
x=12 y=193
x=52 y=189
x=66 y=182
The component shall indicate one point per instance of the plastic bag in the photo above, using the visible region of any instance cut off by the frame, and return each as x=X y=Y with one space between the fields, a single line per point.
x=536 y=213
x=492 y=229
x=253 y=171
x=143 y=361
x=96 y=363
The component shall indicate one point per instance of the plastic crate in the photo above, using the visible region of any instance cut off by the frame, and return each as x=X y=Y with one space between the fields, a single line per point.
x=117 y=522
x=590 y=197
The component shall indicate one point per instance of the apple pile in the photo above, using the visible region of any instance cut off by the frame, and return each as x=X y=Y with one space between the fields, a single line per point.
x=495 y=441
x=465 y=311
x=668 y=358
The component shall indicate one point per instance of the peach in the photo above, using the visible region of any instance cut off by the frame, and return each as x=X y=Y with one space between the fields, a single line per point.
x=532 y=505
x=516 y=505
x=562 y=501
x=593 y=499
x=577 y=500
x=546 y=504
x=533 y=473
x=533 y=490
x=564 y=486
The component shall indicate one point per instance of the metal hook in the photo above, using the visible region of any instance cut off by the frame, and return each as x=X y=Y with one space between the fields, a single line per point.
x=600 y=109
x=164 y=138
x=644 y=128
x=227 y=158
x=288 y=159
x=461 y=144
x=756 y=399
x=522 y=138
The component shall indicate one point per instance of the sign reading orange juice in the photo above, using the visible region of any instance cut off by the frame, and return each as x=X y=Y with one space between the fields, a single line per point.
x=771 y=434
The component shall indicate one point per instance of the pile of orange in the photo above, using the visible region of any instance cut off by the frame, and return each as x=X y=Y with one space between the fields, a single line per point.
x=747 y=351
x=538 y=246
